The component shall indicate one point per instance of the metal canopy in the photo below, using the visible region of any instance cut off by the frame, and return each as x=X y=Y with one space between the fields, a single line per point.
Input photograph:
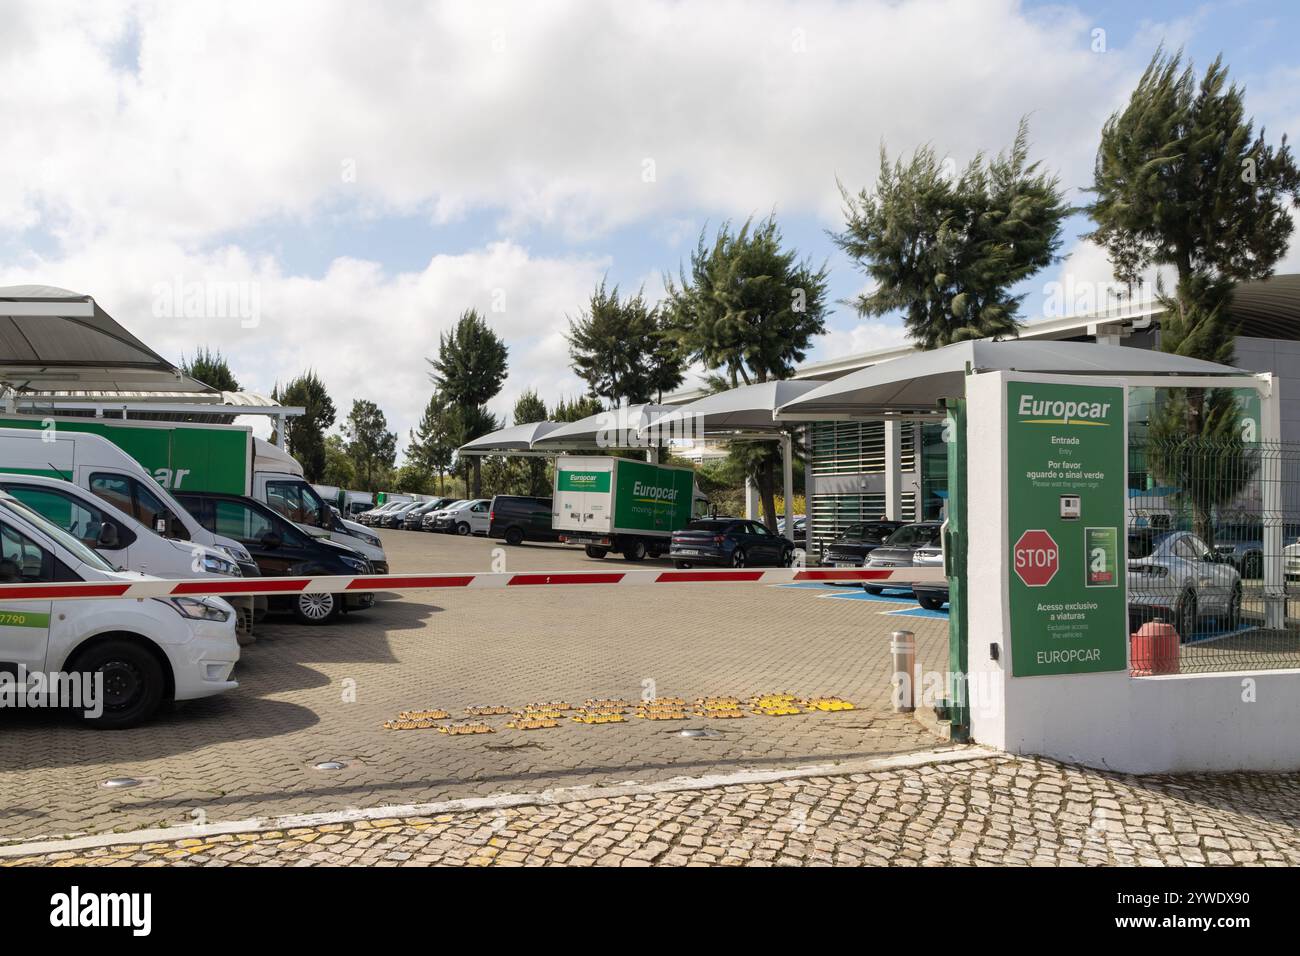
x=617 y=428
x=913 y=386
x=746 y=409
x=512 y=440
x=52 y=338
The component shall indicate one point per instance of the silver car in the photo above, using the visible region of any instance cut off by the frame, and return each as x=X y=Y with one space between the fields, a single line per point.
x=1177 y=577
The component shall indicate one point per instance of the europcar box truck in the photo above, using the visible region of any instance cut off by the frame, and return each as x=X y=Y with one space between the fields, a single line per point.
x=183 y=456
x=630 y=507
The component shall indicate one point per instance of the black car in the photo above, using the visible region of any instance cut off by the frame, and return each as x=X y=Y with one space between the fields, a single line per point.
x=519 y=518
x=282 y=549
x=849 y=550
x=394 y=518
x=732 y=542
x=900 y=549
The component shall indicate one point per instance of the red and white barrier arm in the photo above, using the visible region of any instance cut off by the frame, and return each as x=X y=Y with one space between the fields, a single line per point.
x=236 y=587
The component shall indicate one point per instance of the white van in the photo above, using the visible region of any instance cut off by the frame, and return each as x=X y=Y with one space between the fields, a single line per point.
x=472 y=516
x=147 y=651
x=102 y=468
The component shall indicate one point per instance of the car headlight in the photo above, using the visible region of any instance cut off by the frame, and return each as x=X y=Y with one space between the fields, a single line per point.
x=356 y=564
x=236 y=551
x=215 y=565
x=370 y=539
x=197 y=609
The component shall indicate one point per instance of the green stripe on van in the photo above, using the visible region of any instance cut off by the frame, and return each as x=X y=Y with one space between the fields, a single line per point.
x=24 y=619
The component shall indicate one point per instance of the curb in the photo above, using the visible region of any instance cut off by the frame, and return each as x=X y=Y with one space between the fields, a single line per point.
x=553 y=797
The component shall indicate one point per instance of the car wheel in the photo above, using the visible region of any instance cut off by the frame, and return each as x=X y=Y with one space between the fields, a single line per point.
x=1233 y=619
x=462 y=528
x=1185 y=617
x=787 y=557
x=929 y=602
x=514 y=536
x=133 y=683
x=318 y=608
x=738 y=558
x=635 y=551
x=596 y=553
x=873 y=589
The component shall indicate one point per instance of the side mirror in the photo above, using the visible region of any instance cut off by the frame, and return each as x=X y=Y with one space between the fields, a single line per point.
x=108 y=537
x=9 y=571
x=271 y=540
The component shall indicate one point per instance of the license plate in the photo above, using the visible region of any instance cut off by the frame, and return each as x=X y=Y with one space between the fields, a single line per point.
x=687 y=551
x=846 y=564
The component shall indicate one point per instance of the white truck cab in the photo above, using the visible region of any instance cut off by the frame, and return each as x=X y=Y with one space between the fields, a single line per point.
x=278 y=482
x=137 y=653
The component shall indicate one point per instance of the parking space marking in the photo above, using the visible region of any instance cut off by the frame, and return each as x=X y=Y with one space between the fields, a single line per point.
x=918 y=611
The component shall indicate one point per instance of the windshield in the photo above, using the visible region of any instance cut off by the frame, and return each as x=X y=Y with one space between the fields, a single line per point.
x=913 y=536
x=83 y=554
x=1142 y=544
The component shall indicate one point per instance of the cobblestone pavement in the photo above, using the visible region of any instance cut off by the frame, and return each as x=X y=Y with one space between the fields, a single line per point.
x=315 y=694
x=986 y=811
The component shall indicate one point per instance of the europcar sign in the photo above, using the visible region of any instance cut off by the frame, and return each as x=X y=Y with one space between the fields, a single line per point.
x=1065 y=504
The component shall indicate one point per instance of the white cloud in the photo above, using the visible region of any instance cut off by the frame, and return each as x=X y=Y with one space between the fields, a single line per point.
x=247 y=111
x=367 y=333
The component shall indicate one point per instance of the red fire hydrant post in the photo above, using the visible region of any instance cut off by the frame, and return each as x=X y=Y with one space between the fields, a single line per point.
x=1154 y=650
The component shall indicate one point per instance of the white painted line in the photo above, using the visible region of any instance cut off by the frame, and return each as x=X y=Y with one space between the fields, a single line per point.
x=502 y=801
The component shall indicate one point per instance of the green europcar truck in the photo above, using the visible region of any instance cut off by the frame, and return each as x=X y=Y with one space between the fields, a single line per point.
x=620 y=505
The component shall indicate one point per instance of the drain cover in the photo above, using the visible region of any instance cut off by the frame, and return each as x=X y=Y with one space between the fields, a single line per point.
x=121 y=783
x=329 y=765
x=695 y=733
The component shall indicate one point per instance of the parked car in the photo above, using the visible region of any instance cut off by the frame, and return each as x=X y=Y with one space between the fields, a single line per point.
x=519 y=518
x=282 y=549
x=464 y=517
x=413 y=518
x=850 y=548
x=394 y=518
x=368 y=516
x=1176 y=577
x=931 y=595
x=732 y=542
x=429 y=521
x=899 y=548
x=148 y=652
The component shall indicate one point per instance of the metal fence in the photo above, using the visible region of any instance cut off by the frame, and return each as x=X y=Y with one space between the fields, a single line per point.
x=1213 y=555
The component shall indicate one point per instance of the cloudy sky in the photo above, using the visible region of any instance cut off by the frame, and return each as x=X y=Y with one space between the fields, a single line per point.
x=361 y=174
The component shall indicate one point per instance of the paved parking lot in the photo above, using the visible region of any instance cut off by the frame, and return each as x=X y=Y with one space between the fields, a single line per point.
x=315 y=694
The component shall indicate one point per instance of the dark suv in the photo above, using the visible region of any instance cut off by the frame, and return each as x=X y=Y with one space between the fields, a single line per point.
x=734 y=542
x=282 y=549
x=519 y=518
x=850 y=548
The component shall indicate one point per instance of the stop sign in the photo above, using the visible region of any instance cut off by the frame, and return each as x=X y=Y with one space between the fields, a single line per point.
x=1036 y=558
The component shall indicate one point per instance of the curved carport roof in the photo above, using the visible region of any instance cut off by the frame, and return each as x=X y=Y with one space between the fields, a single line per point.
x=742 y=410
x=617 y=428
x=52 y=338
x=913 y=385
x=515 y=440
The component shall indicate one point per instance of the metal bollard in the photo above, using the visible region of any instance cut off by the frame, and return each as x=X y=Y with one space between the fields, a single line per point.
x=902 y=645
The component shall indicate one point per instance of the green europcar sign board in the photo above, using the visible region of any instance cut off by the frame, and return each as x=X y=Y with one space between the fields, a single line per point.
x=583 y=480
x=1066 y=497
x=181 y=457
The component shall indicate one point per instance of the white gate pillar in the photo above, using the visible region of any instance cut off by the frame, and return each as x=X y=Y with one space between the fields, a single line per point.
x=1270 y=477
x=894 y=469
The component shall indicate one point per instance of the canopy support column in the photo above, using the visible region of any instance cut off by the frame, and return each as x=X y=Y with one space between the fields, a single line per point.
x=787 y=481
x=751 y=499
x=809 y=485
x=894 y=469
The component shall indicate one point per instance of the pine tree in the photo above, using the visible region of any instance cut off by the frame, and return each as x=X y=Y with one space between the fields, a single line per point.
x=305 y=434
x=210 y=367
x=748 y=308
x=371 y=446
x=469 y=370
x=1182 y=181
x=620 y=349
x=432 y=443
x=946 y=249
